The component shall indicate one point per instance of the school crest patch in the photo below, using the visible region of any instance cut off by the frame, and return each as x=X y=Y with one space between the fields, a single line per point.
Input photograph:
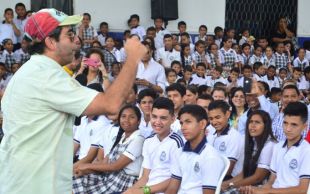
x=222 y=147
x=163 y=156
x=197 y=167
x=293 y=164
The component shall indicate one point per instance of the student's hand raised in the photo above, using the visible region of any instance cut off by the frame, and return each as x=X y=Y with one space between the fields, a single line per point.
x=255 y=88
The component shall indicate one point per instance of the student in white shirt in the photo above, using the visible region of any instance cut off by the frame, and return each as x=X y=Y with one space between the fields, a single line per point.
x=270 y=78
x=8 y=29
x=259 y=143
x=145 y=101
x=216 y=76
x=135 y=27
x=290 y=170
x=167 y=54
x=225 y=139
x=257 y=56
x=305 y=80
x=104 y=30
x=185 y=38
x=203 y=30
x=158 y=150
x=199 y=78
x=150 y=73
x=199 y=165
x=20 y=20
x=110 y=46
x=258 y=68
x=120 y=169
x=160 y=32
x=300 y=60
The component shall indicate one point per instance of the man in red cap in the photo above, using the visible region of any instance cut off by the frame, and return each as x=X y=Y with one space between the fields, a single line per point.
x=41 y=102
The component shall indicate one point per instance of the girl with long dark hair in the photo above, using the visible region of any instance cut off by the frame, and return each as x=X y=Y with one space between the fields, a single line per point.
x=259 y=143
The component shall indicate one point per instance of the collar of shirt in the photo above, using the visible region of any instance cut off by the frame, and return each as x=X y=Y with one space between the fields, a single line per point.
x=224 y=132
x=270 y=78
x=201 y=76
x=295 y=144
x=198 y=149
x=171 y=50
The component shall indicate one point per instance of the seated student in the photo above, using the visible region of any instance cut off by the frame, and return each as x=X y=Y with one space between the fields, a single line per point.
x=203 y=167
x=300 y=60
x=283 y=75
x=259 y=71
x=171 y=76
x=136 y=28
x=219 y=93
x=199 y=55
x=176 y=93
x=275 y=96
x=232 y=79
x=185 y=38
x=199 y=78
x=225 y=139
x=305 y=80
x=177 y=66
x=246 y=54
x=245 y=81
x=22 y=55
x=204 y=100
x=259 y=143
x=290 y=170
x=216 y=76
x=8 y=57
x=145 y=101
x=270 y=78
x=297 y=73
x=191 y=94
x=167 y=54
x=186 y=58
x=187 y=75
x=120 y=169
x=158 y=150
x=256 y=100
x=257 y=56
x=104 y=32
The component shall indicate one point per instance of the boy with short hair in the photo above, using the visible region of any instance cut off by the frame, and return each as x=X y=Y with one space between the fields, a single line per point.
x=104 y=30
x=225 y=139
x=290 y=169
x=167 y=54
x=194 y=176
x=158 y=150
x=199 y=78
x=216 y=76
x=245 y=81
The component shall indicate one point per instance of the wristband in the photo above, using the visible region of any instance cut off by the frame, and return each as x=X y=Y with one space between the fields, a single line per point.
x=146 y=190
x=105 y=77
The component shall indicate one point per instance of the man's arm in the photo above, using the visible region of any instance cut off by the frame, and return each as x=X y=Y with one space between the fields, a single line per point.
x=173 y=186
x=110 y=101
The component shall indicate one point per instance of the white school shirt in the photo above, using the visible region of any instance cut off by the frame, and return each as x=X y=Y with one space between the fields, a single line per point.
x=21 y=26
x=145 y=128
x=133 y=152
x=108 y=138
x=307 y=55
x=197 y=80
x=265 y=156
x=154 y=73
x=290 y=165
x=167 y=57
x=89 y=133
x=6 y=31
x=297 y=62
x=229 y=143
x=176 y=127
x=272 y=83
x=159 y=156
x=211 y=82
x=255 y=58
x=197 y=169
x=159 y=38
x=140 y=31
x=304 y=83
x=257 y=77
x=117 y=54
x=270 y=61
x=101 y=39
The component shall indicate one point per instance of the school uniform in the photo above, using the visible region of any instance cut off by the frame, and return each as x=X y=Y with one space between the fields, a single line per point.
x=269 y=62
x=243 y=40
x=21 y=56
x=212 y=59
x=159 y=156
x=199 y=58
x=229 y=143
x=204 y=38
x=159 y=38
x=153 y=72
x=101 y=39
x=6 y=31
x=108 y=138
x=245 y=59
x=300 y=63
x=138 y=30
x=307 y=56
x=211 y=82
x=20 y=23
x=254 y=59
x=304 y=83
x=167 y=56
x=281 y=60
x=257 y=77
x=271 y=81
x=89 y=33
x=202 y=169
x=188 y=61
x=8 y=59
x=89 y=133
x=229 y=56
x=290 y=164
x=198 y=80
x=265 y=156
x=145 y=128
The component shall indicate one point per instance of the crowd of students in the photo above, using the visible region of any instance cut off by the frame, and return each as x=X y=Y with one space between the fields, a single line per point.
x=193 y=102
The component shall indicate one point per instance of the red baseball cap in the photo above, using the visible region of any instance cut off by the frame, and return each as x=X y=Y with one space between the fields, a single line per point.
x=42 y=23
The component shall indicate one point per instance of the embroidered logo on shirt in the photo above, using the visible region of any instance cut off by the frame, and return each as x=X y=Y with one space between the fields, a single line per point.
x=171 y=58
x=293 y=164
x=196 y=167
x=222 y=147
x=163 y=156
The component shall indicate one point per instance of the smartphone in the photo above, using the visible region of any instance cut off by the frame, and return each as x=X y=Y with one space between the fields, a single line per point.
x=91 y=62
x=247 y=85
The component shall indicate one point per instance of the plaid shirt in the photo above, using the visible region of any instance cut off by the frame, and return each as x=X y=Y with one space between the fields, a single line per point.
x=281 y=60
x=8 y=59
x=198 y=58
x=188 y=61
x=21 y=57
x=269 y=62
x=255 y=59
x=109 y=59
x=88 y=34
x=230 y=57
